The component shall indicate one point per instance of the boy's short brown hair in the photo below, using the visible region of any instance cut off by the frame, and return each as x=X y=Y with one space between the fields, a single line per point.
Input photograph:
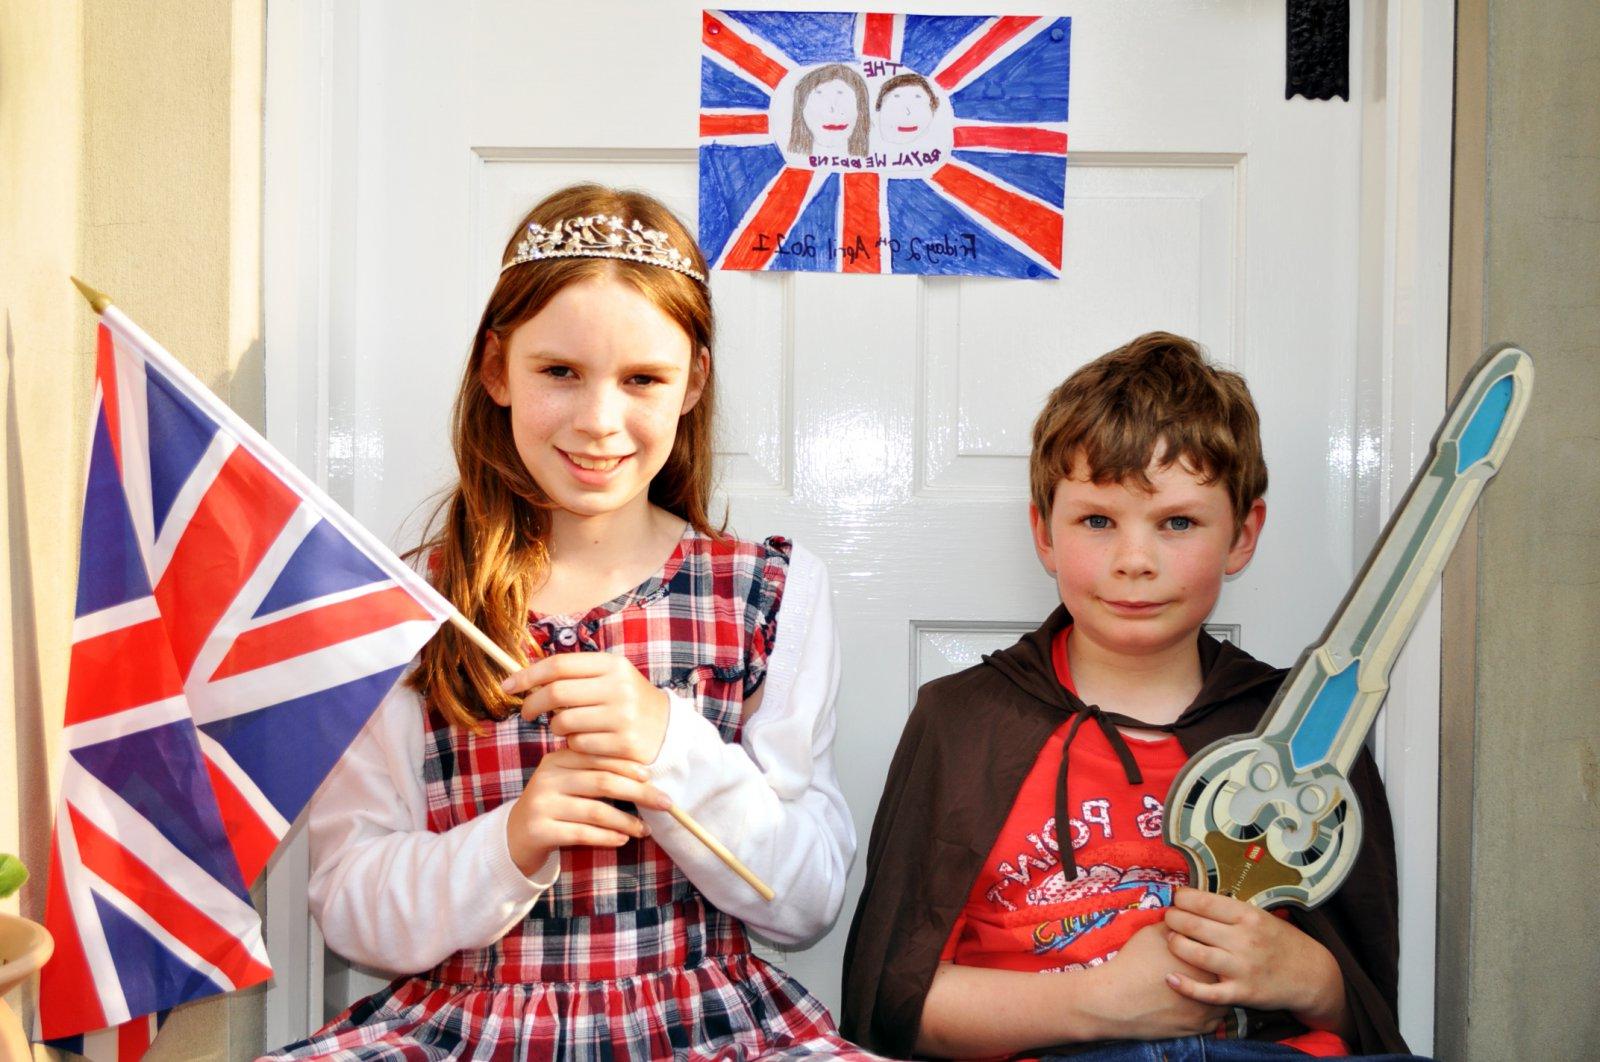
x=1156 y=391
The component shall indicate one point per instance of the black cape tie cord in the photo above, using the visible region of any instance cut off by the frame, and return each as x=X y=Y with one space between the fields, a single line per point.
x=1108 y=721
x=1318 y=49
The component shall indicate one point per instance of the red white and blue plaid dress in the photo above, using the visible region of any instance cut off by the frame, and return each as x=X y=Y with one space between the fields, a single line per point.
x=622 y=958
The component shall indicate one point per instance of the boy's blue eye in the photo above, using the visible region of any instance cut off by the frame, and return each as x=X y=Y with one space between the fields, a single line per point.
x=1180 y=523
x=1097 y=522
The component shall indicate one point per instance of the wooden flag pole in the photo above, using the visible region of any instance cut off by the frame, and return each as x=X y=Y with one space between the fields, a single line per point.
x=481 y=640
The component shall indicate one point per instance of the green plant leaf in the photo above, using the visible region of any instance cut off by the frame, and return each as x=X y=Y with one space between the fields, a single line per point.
x=12 y=875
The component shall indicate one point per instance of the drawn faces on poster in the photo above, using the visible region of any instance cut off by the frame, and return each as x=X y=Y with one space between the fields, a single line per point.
x=830 y=113
x=906 y=106
x=871 y=115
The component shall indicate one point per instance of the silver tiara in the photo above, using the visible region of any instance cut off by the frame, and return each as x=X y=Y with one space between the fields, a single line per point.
x=602 y=236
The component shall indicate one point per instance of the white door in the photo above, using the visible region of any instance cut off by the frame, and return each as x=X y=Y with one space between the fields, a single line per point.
x=883 y=421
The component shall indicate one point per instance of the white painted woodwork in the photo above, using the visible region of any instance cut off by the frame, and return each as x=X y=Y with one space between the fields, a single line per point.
x=884 y=421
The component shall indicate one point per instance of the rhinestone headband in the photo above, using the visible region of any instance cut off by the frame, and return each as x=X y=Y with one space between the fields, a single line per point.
x=603 y=236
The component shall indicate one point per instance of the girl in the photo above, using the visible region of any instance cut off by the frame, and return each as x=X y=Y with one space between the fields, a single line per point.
x=506 y=843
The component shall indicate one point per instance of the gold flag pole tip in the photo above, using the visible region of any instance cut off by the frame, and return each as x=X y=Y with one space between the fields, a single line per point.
x=97 y=299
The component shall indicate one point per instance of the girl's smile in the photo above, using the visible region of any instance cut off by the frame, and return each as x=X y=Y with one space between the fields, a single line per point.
x=593 y=467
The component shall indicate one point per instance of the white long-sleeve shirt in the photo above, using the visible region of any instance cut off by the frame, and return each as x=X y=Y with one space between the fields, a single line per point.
x=391 y=894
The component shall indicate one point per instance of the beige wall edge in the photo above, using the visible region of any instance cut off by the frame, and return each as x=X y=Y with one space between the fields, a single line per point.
x=1457 y=688
x=130 y=154
x=1520 y=774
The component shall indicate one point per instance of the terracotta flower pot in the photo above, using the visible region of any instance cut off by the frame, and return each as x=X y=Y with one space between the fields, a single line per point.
x=24 y=947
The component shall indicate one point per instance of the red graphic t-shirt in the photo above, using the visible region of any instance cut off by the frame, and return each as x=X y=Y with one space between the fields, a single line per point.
x=1022 y=913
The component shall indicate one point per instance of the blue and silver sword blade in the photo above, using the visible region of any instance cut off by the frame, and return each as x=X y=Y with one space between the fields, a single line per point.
x=1270 y=817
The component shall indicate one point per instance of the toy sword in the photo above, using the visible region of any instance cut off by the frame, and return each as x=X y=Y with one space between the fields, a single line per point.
x=1270 y=817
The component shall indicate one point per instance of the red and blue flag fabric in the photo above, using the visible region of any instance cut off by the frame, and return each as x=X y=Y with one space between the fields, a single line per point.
x=868 y=142
x=234 y=629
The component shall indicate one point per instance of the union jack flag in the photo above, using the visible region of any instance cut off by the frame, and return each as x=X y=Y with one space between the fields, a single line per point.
x=234 y=630
x=978 y=190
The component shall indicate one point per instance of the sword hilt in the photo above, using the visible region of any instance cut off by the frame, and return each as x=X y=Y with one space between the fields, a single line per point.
x=1255 y=830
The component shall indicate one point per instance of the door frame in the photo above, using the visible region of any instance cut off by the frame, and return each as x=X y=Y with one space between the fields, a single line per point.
x=311 y=137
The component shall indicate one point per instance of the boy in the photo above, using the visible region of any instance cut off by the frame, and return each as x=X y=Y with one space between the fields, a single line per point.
x=1014 y=838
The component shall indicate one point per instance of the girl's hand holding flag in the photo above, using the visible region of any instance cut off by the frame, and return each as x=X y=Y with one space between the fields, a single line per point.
x=614 y=721
x=564 y=804
x=606 y=709
x=600 y=704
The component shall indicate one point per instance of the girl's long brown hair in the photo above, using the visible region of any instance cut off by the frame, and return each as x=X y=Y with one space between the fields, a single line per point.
x=485 y=550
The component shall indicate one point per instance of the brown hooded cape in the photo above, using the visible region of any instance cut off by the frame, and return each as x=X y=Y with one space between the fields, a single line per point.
x=971 y=740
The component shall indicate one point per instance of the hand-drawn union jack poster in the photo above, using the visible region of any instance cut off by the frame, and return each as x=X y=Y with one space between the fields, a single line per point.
x=878 y=143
